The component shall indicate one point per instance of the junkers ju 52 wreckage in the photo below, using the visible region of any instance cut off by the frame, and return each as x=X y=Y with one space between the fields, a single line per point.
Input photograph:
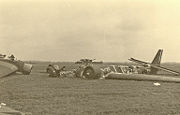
x=89 y=69
x=84 y=68
x=10 y=65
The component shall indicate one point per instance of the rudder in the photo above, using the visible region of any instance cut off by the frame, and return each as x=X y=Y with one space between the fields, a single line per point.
x=156 y=61
x=157 y=58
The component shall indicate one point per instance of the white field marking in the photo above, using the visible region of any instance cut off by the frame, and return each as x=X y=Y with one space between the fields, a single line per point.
x=157 y=84
x=3 y=104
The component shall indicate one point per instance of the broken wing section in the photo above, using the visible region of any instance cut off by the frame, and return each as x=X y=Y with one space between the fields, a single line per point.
x=7 y=69
x=165 y=69
x=138 y=61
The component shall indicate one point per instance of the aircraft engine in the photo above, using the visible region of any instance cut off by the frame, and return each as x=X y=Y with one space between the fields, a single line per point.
x=27 y=68
x=53 y=70
x=91 y=72
x=23 y=67
x=10 y=66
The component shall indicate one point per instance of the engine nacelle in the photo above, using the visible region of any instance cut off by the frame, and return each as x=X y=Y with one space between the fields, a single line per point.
x=89 y=72
x=53 y=70
x=23 y=67
x=27 y=69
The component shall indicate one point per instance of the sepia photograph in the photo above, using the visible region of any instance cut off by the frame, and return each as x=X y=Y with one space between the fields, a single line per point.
x=89 y=57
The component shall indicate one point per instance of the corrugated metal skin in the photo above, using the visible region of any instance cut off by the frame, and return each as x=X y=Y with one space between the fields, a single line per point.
x=7 y=69
x=142 y=77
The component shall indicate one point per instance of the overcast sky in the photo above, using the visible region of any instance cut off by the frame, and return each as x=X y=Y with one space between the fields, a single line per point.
x=108 y=30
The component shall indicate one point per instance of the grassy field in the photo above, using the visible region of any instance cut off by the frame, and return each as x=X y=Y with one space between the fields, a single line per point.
x=42 y=95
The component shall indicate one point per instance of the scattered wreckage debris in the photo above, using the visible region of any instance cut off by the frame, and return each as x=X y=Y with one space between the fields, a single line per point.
x=55 y=71
x=83 y=71
x=88 y=70
x=10 y=65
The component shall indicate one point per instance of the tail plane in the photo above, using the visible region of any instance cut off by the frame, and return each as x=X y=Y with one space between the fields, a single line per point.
x=156 y=61
x=155 y=64
x=157 y=58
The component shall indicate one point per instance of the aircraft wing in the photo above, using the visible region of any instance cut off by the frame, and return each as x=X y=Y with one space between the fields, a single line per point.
x=7 y=68
x=138 y=61
x=165 y=69
x=154 y=66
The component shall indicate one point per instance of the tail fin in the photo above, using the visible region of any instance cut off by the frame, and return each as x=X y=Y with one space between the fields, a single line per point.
x=157 y=58
x=156 y=61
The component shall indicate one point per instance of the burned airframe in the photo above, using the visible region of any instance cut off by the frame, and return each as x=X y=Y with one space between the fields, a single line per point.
x=88 y=69
x=123 y=72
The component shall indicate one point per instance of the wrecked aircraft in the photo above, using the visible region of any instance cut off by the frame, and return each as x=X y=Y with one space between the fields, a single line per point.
x=154 y=67
x=54 y=70
x=89 y=70
x=121 y=73
x=9 y=66
x=128 y=72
